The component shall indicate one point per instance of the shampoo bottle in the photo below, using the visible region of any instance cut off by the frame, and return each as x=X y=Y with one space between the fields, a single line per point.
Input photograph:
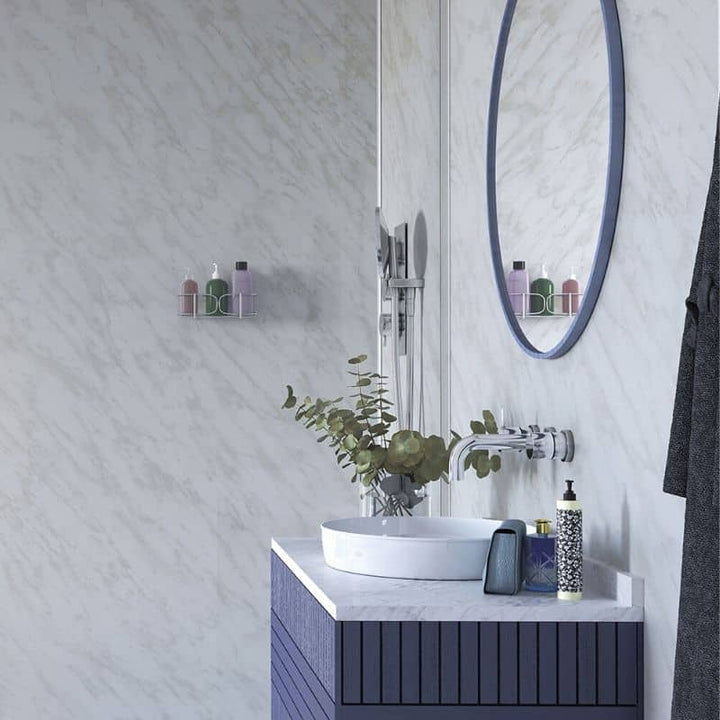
x=571 y=294
x=216 y=288
x=242 y=289
x=569 y=546
x=518 y=288
x=189 y=295
x=541 y=295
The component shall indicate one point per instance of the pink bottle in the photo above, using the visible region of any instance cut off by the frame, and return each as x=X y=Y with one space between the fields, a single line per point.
x=518 y=288
x=571 y=294
x=189 y=292
x=242 y=290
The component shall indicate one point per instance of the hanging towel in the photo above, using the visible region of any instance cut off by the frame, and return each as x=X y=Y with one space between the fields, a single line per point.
x=692 y=472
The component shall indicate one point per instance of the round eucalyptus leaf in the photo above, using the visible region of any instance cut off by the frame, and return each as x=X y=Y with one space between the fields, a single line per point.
x=482 y=464
x=406 y=449
x=349 y=442
x=490 y=424
x=363 y=460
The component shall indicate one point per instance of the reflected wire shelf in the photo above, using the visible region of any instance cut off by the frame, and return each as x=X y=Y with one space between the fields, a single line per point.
x=573 y=301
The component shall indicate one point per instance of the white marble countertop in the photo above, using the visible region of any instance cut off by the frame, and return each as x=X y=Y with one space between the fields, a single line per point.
x=609 y=595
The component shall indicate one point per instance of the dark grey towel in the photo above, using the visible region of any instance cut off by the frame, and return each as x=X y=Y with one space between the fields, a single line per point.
x=692 y=472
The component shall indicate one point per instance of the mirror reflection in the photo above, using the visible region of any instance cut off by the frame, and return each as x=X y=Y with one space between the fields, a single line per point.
x=552 y=155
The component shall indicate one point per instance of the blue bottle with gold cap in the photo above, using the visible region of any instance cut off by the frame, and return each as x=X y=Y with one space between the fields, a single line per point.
x=539 y=572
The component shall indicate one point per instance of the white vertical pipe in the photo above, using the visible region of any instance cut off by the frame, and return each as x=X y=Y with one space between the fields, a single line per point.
x=378 y=160
x=365 y=506
x=445 y=308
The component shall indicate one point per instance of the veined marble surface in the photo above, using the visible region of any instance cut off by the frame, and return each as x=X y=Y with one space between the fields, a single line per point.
x=615 y=389
x=609 y=596
x=145 y=458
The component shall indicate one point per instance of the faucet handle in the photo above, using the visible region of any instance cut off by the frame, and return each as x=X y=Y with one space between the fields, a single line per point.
x=505 y=424
x=537 y=452
x=563 y=444
x=566 y=442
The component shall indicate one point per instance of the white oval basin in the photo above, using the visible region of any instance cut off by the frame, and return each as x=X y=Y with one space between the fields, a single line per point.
x=415 y=548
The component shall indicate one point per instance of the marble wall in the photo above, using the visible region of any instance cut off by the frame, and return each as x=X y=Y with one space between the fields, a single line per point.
x=145 y=460
x=615 y=389
x=410 y=175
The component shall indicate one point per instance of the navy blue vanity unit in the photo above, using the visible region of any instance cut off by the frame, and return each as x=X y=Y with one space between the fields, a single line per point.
x=352 y=647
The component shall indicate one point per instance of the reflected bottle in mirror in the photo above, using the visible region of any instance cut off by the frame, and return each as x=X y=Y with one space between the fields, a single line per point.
x=519 y=288
x=571 y=294
x=541 y=294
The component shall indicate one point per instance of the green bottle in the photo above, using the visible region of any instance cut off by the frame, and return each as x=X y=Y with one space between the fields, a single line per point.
x=542 y=295
x=216 y=288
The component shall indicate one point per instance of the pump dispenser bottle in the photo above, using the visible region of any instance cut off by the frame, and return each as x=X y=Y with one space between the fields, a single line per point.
x=569 y=546
x=216 y=291
x=541 y=294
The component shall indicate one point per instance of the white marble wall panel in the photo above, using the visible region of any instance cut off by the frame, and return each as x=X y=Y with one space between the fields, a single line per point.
x=411 y=171
x=616 y=387
x=145 y=461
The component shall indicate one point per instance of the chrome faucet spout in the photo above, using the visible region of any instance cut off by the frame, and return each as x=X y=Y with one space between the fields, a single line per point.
x=547 y=443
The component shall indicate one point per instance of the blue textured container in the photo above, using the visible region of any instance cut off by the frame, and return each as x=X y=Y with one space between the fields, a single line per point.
x=540 y=572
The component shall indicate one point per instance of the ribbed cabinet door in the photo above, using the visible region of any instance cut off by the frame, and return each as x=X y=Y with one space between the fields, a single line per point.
x=492 y=664
x=407 y=670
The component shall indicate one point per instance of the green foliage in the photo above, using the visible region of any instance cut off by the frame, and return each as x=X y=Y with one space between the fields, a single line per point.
x=360 y=435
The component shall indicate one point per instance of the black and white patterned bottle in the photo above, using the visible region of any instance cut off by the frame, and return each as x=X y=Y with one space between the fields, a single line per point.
x=569 y=546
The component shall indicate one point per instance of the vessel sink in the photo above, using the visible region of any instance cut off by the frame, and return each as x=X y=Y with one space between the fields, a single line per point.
x=414 y=548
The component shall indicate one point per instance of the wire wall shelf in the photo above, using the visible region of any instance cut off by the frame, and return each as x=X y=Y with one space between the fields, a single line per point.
x=569 y=301
x=201 y=305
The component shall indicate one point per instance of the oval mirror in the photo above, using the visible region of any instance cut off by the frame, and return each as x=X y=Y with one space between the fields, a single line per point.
x=555 y=147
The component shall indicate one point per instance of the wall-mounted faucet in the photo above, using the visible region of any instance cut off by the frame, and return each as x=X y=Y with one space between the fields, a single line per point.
x=548 y=443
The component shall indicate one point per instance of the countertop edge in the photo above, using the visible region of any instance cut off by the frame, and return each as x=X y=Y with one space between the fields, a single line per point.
x=310 y=585
x=625 y=596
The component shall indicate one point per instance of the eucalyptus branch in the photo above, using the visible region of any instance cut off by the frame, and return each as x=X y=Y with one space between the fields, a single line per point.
x=361 y=438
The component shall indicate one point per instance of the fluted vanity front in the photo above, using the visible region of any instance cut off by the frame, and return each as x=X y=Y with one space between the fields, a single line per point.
x=349 y=647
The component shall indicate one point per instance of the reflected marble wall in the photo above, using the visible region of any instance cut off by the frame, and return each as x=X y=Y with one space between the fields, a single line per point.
x=552 y=147
x=616 y=387
x=145 y=461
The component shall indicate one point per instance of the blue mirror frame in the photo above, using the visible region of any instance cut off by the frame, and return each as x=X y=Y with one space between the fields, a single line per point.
x=613 y=182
